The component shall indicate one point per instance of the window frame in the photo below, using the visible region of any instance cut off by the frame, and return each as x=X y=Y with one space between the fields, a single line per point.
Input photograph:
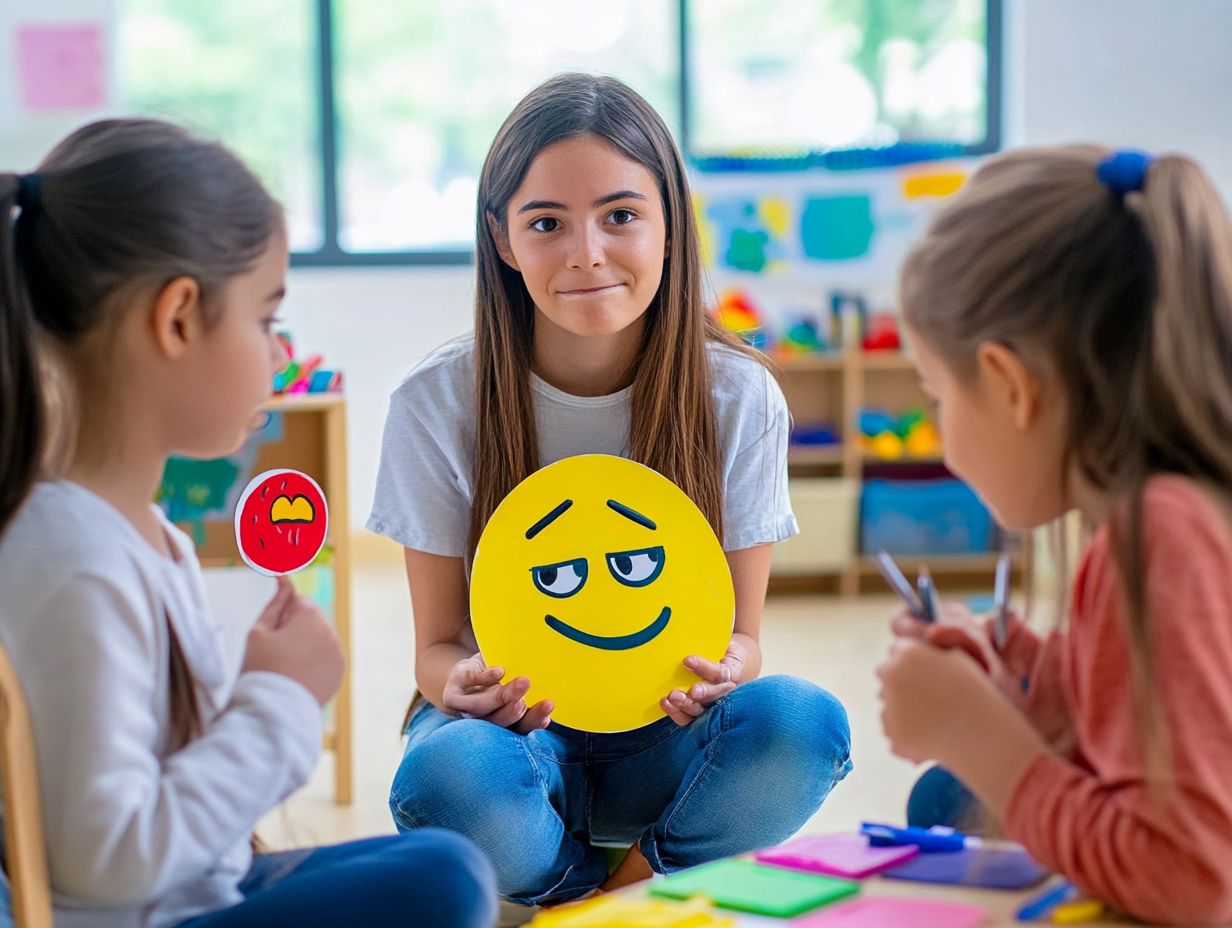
x=332 y=255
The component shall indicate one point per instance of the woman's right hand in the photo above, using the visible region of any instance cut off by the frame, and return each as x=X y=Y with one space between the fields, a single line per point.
x=474 y=690
x=293 y=638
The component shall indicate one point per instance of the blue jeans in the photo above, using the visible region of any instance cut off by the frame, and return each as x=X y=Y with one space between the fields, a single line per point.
x=746 y=774
x=940 y=798
x=428 y=879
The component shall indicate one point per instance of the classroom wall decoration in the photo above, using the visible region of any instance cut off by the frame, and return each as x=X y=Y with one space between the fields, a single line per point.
x=854 y=227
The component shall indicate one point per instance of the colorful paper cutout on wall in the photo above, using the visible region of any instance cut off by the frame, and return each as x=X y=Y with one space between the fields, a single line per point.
x=836 y=228
x=934 y=184
x=595 y=578
x=750 y=232
x=281 y=522
x=61 y=66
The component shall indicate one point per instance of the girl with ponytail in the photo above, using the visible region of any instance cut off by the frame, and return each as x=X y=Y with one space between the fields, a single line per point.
x=1072 y=317
x=140 y=270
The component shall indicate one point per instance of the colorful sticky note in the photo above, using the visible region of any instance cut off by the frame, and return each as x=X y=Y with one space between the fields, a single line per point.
x=845 y=855
x=836 y=228
x=935 y=184
x=61 y=66
x=612 y=911
x=895 y=913
x=996 y=867
x=747 y=886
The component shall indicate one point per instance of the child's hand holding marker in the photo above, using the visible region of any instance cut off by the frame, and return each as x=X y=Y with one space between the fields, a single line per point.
x=953 y=626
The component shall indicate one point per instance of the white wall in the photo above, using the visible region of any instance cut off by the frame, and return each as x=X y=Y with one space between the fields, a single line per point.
x=1145 y=73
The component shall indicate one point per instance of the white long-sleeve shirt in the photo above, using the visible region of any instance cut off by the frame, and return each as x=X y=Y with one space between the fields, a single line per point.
x=139 y=834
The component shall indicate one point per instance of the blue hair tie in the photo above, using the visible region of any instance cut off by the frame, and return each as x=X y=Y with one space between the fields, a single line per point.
x=1124 y=171
x=29 y=191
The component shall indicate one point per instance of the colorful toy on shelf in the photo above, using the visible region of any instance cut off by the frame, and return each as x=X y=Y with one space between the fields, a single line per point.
x=882 y=333
x=923 y=441
x=802 y=337
x=306 y=376
x=738 y=314
x=893 y=438
x=848 y=318
x=815 y=433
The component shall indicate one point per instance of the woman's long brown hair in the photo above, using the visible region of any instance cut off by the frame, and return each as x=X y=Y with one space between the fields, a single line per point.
x=1126 y=302
x=672 y=425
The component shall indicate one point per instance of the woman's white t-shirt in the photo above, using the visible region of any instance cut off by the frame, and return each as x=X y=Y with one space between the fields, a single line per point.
x=424 y=485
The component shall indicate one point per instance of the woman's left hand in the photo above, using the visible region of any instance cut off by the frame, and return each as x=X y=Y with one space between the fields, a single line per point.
x=717 y=680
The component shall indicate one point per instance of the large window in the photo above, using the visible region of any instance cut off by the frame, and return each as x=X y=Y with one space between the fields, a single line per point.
x=370 y=119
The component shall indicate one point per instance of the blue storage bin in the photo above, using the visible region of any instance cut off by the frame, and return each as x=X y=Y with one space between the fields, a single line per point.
x=923 y=517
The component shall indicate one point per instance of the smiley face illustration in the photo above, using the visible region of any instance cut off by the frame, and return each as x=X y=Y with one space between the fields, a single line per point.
x=595 y=578
x=281 y=522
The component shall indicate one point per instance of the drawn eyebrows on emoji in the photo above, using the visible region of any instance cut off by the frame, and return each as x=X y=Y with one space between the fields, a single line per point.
x=548 y=519
x=631 y=514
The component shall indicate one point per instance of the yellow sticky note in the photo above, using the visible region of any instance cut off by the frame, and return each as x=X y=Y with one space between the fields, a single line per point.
x=621 y=912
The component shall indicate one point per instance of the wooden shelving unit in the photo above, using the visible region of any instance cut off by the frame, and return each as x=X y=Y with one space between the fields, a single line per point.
x=313 y=441
x=834 y=388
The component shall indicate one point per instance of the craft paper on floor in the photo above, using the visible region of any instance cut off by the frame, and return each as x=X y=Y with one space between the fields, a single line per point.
x=613 y=911
x=597 y=568
x=281 y=522
x=61 y=66
x=994 y=867
x=879 y=912
x=845 y=855
x=750 y=887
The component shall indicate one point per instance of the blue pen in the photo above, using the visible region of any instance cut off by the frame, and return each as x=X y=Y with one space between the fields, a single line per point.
x=927 y=840
x=1045 y=902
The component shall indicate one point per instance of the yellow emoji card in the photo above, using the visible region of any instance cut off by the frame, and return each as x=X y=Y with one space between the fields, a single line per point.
x=595 y=578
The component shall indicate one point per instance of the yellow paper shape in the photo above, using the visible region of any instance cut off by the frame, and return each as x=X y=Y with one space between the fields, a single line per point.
x=940 y=184
x=595 y=578
x=621 y=912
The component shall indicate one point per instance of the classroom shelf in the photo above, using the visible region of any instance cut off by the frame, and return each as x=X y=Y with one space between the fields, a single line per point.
x=313 y=441
x=832 y=389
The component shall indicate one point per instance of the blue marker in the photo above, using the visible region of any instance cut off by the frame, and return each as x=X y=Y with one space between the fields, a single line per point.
x=928 y=595
x=1045 y=902
x=928 y=840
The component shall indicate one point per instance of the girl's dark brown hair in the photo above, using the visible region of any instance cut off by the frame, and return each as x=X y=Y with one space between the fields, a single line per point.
x=120 y=207
x=672 y=425
x=1125 y=302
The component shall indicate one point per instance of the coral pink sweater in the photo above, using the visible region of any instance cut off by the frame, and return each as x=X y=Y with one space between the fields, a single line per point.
x=1086 y=810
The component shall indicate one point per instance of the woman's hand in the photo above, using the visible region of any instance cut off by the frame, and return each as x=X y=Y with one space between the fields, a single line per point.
x=717 y=680
x=474 y=690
